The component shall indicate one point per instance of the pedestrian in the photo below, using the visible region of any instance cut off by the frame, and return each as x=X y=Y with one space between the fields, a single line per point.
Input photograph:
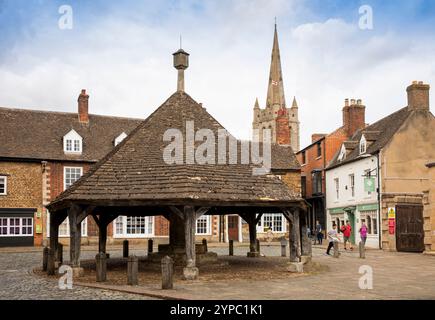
x=319 y=233
x=363 y=232
x=332 y=237
x=347 y=231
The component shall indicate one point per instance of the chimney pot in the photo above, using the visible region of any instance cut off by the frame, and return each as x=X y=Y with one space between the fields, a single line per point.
x=352 y=102
x=359 y=102
x=346 y=102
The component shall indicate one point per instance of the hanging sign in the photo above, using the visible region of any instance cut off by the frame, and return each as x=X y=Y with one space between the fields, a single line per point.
x=369 y=184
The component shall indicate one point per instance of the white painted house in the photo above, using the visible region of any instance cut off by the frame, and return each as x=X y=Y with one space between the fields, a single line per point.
x=351 y=194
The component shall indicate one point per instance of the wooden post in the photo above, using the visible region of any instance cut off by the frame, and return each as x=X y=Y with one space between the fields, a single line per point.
x=283 y=247
x=258 y=246
x=190 y=272
x=306 y=249
x=132 y=271
x=336 y=252
x=102 y=236
x=204 y=243
x=75 y=234
x=101 y=267
x=51 y=270
x=44 y=258
x=231 y=248
x=294 y=237
x=252 y=223
x=59 y=257
x=362 y=250
x=125 y=248
x=150 y=246
x=167 y=273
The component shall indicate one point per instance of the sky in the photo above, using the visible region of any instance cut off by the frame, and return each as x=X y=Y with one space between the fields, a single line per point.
x=121 y=52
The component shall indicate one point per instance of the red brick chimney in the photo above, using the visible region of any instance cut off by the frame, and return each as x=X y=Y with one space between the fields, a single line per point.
x=418 y=96
x=353 y=116
x=282 y=127
x=83 y=102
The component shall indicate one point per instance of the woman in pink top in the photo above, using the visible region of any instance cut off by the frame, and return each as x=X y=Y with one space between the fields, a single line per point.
x=363 y=232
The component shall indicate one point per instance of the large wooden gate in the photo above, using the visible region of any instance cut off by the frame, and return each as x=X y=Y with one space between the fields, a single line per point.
x=409 y=228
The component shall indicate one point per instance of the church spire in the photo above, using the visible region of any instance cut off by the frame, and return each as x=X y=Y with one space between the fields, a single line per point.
x=275 y=91
x=295 y=103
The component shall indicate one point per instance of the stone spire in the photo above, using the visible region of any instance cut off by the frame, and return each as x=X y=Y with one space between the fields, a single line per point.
x=275 y=91
x=257 y=105
x=295 y=103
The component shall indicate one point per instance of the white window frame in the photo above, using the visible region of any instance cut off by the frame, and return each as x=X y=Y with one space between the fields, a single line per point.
x=69 y=143
x=352 y=185
x=5 y=182
x=337 y=188
x=261 y=223
x=363 y=145
x=342 y=155
x=122 y=220
x=373 y=214
x=20 y=227
x=120 y=138
x=64 y=175
x=207 y=219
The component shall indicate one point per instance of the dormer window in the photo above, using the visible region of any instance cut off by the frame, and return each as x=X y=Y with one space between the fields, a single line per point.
x=120 y=138
x=342 y=154
x=362 y=145
x=72 y=142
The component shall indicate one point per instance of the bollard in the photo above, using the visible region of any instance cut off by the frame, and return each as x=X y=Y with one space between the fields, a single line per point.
x=132 y=271
x=125 y=248
x=231 y=248
x=336 y=253
x=101 y=266
x=59 y=257
x=167 y=273
x=258 y=246
x=362 y=250
x=51 y=270
x=283 y=248
x=44 y=258
x=204 y=243
x=150 y=245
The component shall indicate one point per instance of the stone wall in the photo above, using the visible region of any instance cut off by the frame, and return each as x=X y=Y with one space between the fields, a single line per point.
x=24 y=190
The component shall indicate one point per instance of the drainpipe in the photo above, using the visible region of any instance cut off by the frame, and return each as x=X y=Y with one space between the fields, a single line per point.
x=378 y=173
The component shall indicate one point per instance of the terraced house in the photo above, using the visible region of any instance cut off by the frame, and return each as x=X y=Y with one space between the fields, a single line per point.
x=382 y=176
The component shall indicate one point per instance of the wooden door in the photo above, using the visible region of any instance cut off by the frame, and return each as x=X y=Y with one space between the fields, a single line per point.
x=233 y=228
x=409 y=228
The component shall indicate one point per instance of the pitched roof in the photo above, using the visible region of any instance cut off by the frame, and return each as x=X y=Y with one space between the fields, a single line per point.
x=377 y=135
x=136 y=170
x=30 y=134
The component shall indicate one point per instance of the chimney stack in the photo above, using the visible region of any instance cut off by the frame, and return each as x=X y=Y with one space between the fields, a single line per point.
x=83 y=102
x=353 y=116
x=418 y=96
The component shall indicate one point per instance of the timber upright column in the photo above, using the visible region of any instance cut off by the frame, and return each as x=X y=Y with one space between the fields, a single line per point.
x=252 y=223
x=190 y=272
x=75 y=215
x=306 y=249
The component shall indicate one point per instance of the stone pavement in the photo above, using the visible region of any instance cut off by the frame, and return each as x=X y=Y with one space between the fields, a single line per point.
x=395 y=276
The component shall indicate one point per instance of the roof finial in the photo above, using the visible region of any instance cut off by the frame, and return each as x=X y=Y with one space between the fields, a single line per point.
x=181 y=63
x=181 y=41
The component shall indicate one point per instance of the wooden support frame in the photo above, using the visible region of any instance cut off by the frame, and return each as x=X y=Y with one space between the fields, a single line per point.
x=292 y=216
x=102 y=222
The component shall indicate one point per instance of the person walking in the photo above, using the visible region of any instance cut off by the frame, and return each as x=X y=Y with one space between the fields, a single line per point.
x=332 y=237
x=347 y=231
x=363 y=232
x=319 y=234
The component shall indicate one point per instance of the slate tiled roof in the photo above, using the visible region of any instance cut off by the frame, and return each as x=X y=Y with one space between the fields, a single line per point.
x=136 y=170
x=377 y=135
x=30 y=134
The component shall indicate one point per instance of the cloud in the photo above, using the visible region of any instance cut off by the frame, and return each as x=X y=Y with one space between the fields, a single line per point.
x=122 y=55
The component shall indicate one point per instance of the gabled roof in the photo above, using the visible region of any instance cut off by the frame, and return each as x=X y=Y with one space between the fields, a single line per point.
x=135 y=169
x=377 y=135
x=38 y=135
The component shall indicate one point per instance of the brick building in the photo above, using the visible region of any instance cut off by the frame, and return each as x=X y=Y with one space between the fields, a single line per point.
x=317 y=156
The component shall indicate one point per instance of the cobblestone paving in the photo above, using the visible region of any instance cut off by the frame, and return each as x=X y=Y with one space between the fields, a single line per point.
x=18 y=283
x=396 y=276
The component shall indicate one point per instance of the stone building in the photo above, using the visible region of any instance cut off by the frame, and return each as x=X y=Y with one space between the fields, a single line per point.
x=388 y=180
x=318 y=155
x=283 y=122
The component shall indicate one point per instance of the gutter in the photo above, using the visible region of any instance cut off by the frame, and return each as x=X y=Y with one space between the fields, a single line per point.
x=379 y=200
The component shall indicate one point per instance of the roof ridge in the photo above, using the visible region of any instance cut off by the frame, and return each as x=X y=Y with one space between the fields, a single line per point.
x=65 y=113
